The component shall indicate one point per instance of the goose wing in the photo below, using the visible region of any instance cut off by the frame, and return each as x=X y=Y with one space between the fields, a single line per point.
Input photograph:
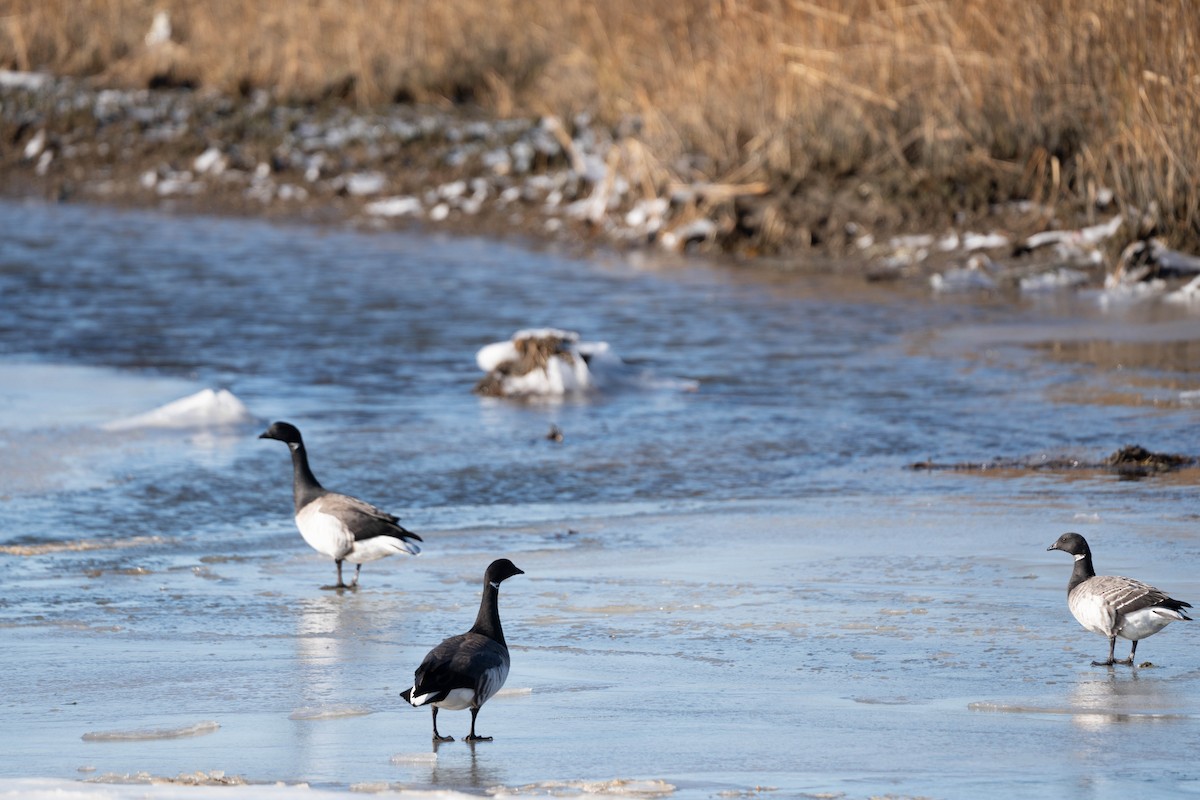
x=468 y=661
x=1126 y=595
x=363 y=520
x=1101 y=603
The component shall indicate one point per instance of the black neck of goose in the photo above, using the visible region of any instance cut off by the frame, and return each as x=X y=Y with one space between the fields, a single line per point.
x=1083 y=570
x=487 y=622
x=305 y=487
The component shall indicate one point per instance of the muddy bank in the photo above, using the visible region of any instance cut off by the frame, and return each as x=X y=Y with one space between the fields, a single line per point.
x=1131 y=461
x=569 y=181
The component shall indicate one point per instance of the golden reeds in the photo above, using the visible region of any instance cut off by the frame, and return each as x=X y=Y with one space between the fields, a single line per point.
x=954 y=103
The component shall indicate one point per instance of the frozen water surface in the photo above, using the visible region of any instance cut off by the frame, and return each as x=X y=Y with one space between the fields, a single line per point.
x=739 y=591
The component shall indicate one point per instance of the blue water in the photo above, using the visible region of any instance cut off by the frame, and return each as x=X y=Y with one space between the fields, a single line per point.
x=728 y=588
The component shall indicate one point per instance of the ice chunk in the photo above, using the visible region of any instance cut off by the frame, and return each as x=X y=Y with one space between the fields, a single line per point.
x=414 y=758
x=1188 y=293
x=698 y=230
x=160 y=30
x=187 y=786
x=1117 y=295
x=972 y=277
x=35 y=146
x=144 y=734
x=1062 y=278
x=360 y=184
x=30 y=81
x=206 y=408
x=395 y=207
x=1076 y=239
x=210 y=161
x=616 y=786
x=983 y=241
x=329 y=712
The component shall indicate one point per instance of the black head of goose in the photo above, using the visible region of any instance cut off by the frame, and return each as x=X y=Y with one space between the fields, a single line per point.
x=466 y=670
x=338 y=525
x=1113 y=606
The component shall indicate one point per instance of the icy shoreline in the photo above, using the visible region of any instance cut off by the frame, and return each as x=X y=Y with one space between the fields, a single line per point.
x=567 y=181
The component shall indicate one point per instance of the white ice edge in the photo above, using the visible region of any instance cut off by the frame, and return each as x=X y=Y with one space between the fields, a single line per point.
x=414 y=758
x=146 y=734
x=620 y=787
x=329 y=712
x=62 y=789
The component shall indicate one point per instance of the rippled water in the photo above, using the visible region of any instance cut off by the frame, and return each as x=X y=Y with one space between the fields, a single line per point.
x=736 y=591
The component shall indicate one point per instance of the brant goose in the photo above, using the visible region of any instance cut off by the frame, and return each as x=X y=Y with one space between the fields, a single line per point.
x=464 y=671
x=1112 y=606
x=338 y=525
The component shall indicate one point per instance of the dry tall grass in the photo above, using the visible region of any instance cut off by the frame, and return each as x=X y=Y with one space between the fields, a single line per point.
x=939 y=103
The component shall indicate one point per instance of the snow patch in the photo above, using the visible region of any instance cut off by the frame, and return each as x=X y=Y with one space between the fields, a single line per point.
x=206 y=408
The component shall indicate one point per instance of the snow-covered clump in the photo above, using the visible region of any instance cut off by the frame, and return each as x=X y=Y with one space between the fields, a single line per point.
x=206 y=408
x=550 y=362
x=541 y=361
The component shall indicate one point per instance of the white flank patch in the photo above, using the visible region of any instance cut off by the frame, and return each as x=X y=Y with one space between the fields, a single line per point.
x=457 y=700
x=1146 y=622
x=380 y=547
x=206 y=408
x=324 y=533
x=1091 y=612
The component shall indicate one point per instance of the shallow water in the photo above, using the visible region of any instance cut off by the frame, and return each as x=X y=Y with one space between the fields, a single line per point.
x=734 y=591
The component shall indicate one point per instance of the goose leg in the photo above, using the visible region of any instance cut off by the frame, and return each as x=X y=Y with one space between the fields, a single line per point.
x=340 y=584
x=471 y=737
x=436 y=736
x=1112 y=646
x=1132 y=651
x=354 y=583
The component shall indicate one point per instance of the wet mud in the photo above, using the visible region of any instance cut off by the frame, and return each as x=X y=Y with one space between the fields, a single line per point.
x=1132 y=461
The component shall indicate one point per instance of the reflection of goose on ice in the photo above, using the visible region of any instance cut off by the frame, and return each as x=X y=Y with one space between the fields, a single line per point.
x=553 y=362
